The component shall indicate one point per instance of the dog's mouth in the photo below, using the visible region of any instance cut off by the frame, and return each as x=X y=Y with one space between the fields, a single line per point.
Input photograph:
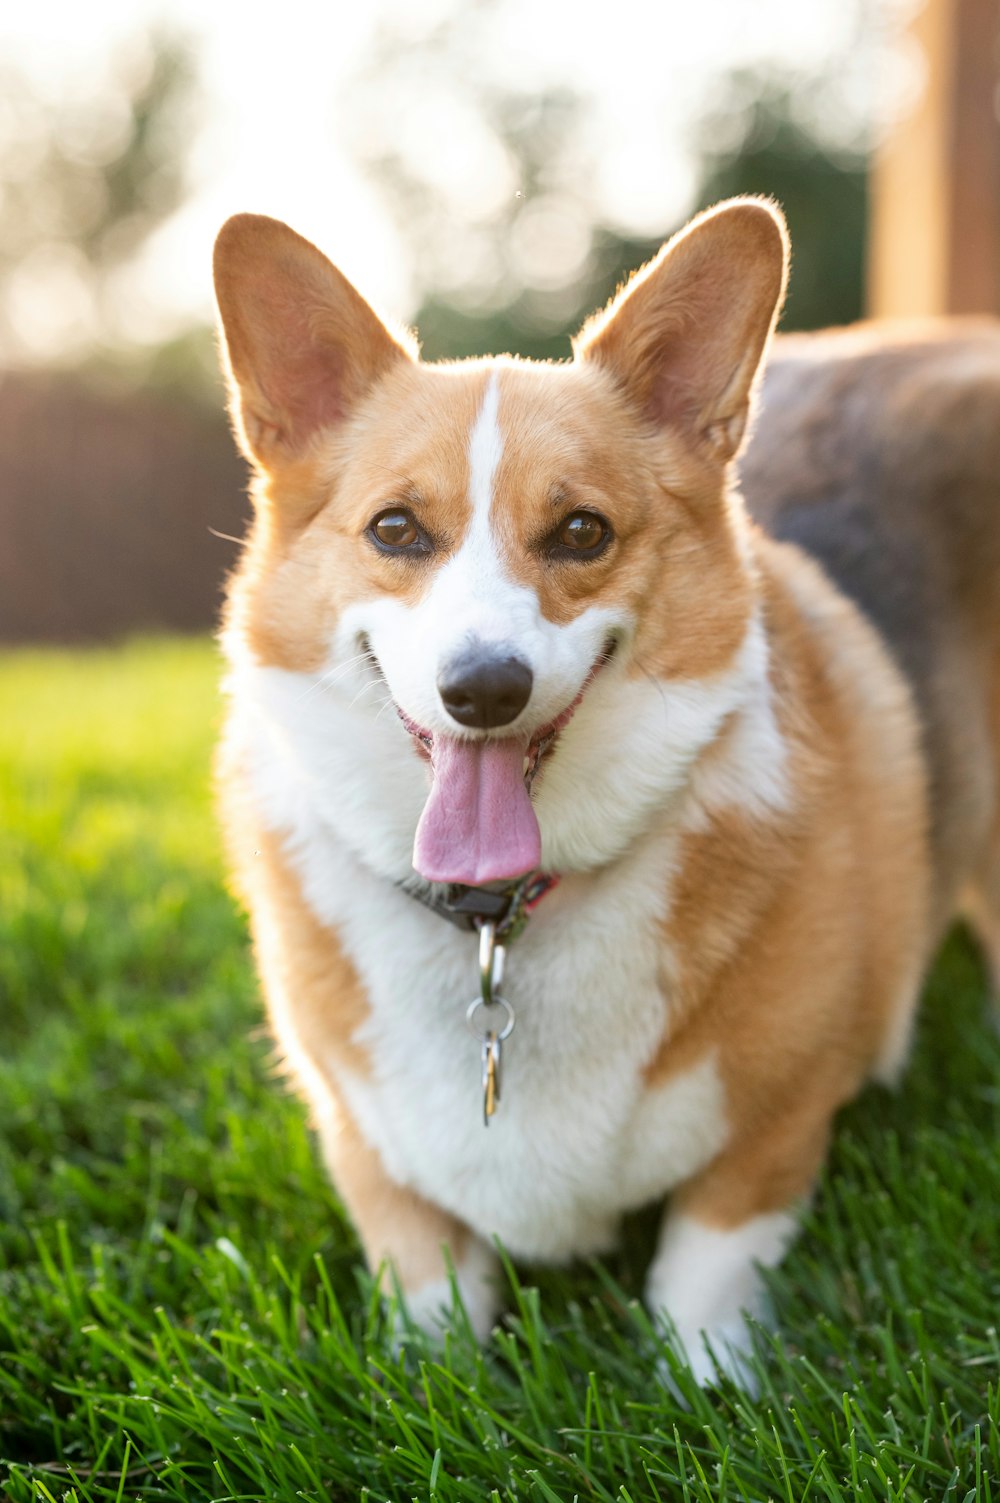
x=478 y=824
x=540 y=746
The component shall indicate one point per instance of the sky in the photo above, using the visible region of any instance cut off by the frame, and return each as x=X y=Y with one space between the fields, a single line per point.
x=274 y=137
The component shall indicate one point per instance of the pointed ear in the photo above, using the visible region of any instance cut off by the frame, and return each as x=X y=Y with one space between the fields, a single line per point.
x=302 y=347
x=685 y=337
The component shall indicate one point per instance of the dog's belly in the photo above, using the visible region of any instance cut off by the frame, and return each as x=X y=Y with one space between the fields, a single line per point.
x=578 y=1138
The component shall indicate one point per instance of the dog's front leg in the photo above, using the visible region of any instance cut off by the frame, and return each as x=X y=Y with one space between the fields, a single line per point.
x=738 y=1216
x=409 y=1240
x=706 y=1279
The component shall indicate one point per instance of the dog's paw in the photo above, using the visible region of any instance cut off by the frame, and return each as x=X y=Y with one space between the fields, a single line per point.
x=466 y=1296
x=434 y=1310
x=724 y=1350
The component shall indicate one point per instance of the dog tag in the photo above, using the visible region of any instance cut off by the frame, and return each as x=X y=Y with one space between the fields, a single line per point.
x=479 y=1016
x=491 y=1075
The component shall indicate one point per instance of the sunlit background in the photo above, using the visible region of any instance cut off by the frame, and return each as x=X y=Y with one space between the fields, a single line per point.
x=488 y=171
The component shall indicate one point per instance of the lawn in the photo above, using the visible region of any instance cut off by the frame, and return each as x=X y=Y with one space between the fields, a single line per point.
x=182 y=1311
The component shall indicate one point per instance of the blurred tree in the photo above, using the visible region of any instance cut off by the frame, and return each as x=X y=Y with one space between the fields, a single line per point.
x=451 y=332
x=85 y=179
x=822 y=187
x=494 y=190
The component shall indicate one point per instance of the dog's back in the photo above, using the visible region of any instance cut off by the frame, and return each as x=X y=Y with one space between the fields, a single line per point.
x=878 y=452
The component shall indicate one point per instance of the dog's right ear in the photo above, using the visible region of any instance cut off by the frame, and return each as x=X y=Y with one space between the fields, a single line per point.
x=300 y=345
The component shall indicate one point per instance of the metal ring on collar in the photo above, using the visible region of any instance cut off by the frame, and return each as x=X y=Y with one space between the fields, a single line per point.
x=501 y=1002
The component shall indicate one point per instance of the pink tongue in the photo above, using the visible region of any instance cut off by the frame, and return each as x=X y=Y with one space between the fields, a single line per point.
x=478 y=824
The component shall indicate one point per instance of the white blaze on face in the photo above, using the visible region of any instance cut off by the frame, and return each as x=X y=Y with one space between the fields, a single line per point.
x=473 y=599
x=478 y=559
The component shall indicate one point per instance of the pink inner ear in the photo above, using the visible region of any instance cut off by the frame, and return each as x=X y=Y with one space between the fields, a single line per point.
x=672 y=402
x=299 y=374
x=307 y=392
x=695 y=361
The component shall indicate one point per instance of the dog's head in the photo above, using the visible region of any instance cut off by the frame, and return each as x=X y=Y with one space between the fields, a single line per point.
x=497 y=580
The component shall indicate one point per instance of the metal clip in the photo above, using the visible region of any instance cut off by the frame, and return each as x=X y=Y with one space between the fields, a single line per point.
x=492 y=957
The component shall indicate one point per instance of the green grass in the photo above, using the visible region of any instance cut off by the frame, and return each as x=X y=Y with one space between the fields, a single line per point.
x=182 y=1311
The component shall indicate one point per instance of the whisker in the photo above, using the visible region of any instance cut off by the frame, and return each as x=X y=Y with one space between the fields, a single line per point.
x=687 y=551
x=372 y=684
x=656 y=683
x=385 y=705
x=331 y=675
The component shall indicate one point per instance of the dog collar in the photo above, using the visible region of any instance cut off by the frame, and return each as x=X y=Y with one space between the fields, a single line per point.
x=508 y=905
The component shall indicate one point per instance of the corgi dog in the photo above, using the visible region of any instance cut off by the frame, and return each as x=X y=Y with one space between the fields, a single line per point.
x=596 y=824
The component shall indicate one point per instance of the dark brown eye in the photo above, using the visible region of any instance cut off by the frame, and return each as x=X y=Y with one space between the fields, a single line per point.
x=583 y=533
x=396 y=529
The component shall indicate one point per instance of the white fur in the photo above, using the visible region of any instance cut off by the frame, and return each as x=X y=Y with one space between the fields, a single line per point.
x=885 y=727
x=485 y=454
x=706 y=1280
x=753 y=776
x=335 y=742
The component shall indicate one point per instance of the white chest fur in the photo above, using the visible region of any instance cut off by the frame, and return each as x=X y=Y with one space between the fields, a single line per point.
x=578 y=1138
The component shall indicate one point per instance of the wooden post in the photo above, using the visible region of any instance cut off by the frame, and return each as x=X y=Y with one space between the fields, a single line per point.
x=934 y=244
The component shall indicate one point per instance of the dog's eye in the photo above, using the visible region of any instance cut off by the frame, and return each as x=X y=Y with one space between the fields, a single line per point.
x=396 y=530
x=583 y=534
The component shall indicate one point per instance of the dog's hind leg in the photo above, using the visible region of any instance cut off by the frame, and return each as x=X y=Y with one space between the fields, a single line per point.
x=980 y=902
x=981 y=910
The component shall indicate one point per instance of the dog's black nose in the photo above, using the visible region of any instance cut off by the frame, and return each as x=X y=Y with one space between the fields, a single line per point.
x=483 y=690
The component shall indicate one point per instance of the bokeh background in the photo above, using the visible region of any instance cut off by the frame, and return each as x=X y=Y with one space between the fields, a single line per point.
x=488 y=171
x=183 y=1314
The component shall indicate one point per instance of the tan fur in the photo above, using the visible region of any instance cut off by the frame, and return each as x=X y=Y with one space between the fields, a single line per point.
x=300 y=343
x=674 y=563
x=793 y=984
x=304 y=565
x=302 y=961
x=796 y=938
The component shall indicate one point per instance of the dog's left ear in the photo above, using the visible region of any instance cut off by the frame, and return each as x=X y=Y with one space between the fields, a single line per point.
x=686 y=336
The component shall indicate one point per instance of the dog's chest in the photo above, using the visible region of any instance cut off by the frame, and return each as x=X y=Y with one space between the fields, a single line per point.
x=578 y=1137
